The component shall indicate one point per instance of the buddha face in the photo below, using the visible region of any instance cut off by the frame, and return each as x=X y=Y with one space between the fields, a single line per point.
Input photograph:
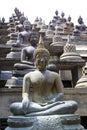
x=41 y=60
x=34 y=38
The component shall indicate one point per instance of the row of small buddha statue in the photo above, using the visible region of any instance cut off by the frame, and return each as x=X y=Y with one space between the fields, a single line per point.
x=26 y=38
x=64 y=26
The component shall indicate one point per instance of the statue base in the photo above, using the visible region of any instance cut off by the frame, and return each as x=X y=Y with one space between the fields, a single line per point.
x=14 y=82
x=14 y=55
x=50 y=122
x=17 y=79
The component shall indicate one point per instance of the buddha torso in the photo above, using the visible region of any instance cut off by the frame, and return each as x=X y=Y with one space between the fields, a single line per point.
x=25 y=37
x=39 y=83
x=27 y=54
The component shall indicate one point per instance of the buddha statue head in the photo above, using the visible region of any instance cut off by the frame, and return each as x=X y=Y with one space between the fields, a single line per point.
x=22 y=19
x=42 y=54
x=27 y=25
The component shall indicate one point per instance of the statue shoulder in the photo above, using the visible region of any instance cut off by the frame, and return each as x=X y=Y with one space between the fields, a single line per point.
x=53 y=74
x=32 y=73
x=28 y=75
x=57 y=76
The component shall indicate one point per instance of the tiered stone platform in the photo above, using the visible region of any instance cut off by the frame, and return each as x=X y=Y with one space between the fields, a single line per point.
x=50 y=122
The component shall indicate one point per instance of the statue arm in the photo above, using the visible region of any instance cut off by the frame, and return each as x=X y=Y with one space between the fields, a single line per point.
x=23 y=55
x=26 y=86
x=58 y=84
x=57 y=90
x=25 y=94
x=19 y=39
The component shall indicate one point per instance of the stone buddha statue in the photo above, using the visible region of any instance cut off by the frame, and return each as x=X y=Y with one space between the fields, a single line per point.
x=19 y=27
x=22 y=41
x=81 y=26
x=76 y=31
x=69 y=26
x=60 y=23
x=82 y=29
x=63 y=20
x=23 y=36
x=17 y=12
x=39 y=24
x=26 y=64
x=26 y=58
x=43 y=29
x=27 y=53
x=36 y=21
x=49 y=32
x=42 y=90
x=56 y=17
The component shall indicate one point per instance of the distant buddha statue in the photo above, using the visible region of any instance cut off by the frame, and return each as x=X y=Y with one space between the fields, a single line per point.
x=23 y=37
x=57 y=39
x=27 y=53
x=49 y=32
x=3 y=20
x=25 y=65
x=82 y=29
x=63 y=20
x=22 y=41
x=26 y=58
x=76 y=31
x=39 y=24
x=56 y=17
x=19 y=27
x=69 y=26
x=60 y=23
x=42 y=90
x=36 y=21
x=17 y=12
x=81 y=25
x=43 y=29
x=27 y=62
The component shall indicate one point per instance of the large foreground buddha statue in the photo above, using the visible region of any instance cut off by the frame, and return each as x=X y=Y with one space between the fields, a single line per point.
x=42 y=90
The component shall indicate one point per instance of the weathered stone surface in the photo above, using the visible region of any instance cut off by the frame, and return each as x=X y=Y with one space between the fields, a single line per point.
x=53 y=122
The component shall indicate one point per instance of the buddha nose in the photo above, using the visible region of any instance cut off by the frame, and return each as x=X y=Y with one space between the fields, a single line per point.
x=42 y=59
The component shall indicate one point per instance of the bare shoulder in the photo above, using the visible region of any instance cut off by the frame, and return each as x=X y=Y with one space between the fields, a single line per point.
x=28 y=74
x=52 y=73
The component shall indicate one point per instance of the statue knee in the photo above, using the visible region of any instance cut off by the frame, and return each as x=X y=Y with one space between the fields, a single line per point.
x=16 y=109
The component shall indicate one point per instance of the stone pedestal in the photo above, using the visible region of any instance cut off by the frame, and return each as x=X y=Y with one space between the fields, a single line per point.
x=71 y=122
x=52 y=122
x=20 y=123
x=17 y=79
x=15 y=53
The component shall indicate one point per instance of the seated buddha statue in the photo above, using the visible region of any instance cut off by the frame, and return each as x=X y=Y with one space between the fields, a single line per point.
x=81 y=26
x=69 y=26
x=22 y=41
x=27 y=53
x=19 y=27
x=23 y=36
x=42 y=90
x=26 y=59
